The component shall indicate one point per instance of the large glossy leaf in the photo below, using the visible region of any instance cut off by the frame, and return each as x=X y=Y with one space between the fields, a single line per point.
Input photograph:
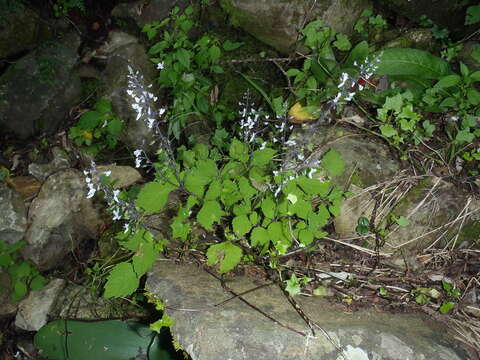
x=410 y=62
x=99 y=340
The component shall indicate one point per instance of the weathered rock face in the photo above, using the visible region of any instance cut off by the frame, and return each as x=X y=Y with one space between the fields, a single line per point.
x=445 y=13
x=20 y=29
x=8 y=306
x=126 y=57
x=39 y=89
x=236 y=331
x=59 y=162
x=277 y=22
x=34 y=309
x=13 y=215
x=142 y=12
x=59 y=218
x=120 y=176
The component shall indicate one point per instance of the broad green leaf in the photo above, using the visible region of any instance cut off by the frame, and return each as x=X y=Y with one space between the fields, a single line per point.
x=268 y=207
x=259 y=237
x=114 y=127
x=229 y=45
x=214 y=190
x=214 y=53
x=305 y=236
x=314 y=186
x=394 y=103
x=144 y=258
x=275 y=231
x=245 y=188
x=140 y=236
x=211 y=212
x=241 y=225
x=263 y=157
x=332 y=162
x=342 y=43
x=165 y=322
x=473 y=96
x=38 y=282
x=446 y=307
x=464 y=136
x=103 y=105
x=244 y=208
x=448 y=81
x=153 y=196
x=302 y=208
x=195 y=181
x=90 y=120
x=180 y=230
x=319 y=219
x=121 y=281
x=225 y=253
x=473 y=15
x=388 y=130
x=183 y=56
x=20 y=289
x=402 y=221
x=358 y=54
x=293 y=285
x=410 y=62
x=475 y=76
x=239 y=151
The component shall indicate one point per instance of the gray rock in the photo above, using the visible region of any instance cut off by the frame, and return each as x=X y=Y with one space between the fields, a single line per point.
x=80 y=302
x=39 y=89
x=277 y=23
x=34 y=309
x=236 y=331
x=20 y=29
x=13 y=215
x=59 y=218
x=127 y=56
x=60 y=161
x=445 y=13
x=120 y=176
x=367 y=160
x=144 y=12
x=8 y=306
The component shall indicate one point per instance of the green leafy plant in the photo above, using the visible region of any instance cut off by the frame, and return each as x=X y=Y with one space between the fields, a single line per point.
x=98 y=129
x=240 y=197
x=186 y=68
x=368 y=25
x=23 y=275
x=63 y=7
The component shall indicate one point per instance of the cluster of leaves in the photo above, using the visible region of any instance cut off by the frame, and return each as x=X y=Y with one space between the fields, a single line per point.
x=238 y=199
x=98 y=129
x=23 y=275
x=63 y=7
x=370 y=24
x=447 y=300
x=187 y=67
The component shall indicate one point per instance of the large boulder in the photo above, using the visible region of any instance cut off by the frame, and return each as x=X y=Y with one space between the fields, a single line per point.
x=142 y=13
x=242 y=332
x=59 y=218
x=20 y=29
x=128 y=82
x=444 y=13
x=277 y=22
x=37 y=92
x=13 y=215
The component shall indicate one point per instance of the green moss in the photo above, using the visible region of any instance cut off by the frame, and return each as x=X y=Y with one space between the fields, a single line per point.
x=470 y=233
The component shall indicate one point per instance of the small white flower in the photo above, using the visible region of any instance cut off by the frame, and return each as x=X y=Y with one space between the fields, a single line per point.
x=160 y=65
x=162 y=111
x=116 y=192
x=107 y=173
x=116 y=214
x=126 y=227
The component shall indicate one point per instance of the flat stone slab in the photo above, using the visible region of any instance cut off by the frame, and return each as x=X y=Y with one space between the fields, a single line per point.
x=236 y=331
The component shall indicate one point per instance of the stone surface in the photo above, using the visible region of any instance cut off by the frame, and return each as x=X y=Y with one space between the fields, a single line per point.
x=8 y=306
x=367 y=161
x=20 y=29
x=79 y=302
x=13 y=215
x=434 y=208
x=59 y=162
x=59 y=218
x=121 y=176
x=26 y=186
x=445 y=13
x=125 y=53
x=236 y=331
x=413 y=38
x=34 y=309
x=277 y=22
x=142 y=12
x=39 y=89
